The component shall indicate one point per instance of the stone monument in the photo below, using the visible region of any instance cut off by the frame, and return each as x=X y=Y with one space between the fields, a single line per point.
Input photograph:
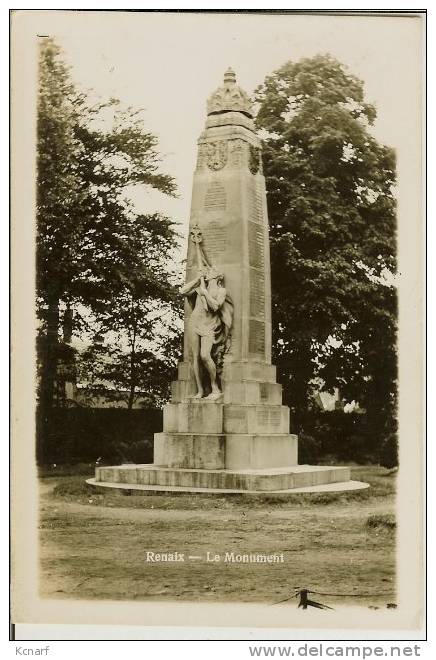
x=225 y=427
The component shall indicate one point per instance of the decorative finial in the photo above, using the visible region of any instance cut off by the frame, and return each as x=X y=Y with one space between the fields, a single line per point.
x=229 y=97
x=229 y=76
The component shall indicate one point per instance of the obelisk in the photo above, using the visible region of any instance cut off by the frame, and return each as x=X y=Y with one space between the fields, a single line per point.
x=229 y=206
x=248 y=428
x=236 y=438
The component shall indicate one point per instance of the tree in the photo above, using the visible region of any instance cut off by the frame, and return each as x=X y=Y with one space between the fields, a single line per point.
x=131 y=371
x=332 y=219
x=139 y=330
x=88 y=153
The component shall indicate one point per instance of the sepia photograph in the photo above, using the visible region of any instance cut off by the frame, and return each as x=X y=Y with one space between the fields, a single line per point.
x=217 y=309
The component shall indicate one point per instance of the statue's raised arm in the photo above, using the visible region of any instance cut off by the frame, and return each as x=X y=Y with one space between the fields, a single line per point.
x=189 y=288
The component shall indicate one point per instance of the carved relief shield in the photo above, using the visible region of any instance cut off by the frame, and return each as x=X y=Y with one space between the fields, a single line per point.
x=216 y=154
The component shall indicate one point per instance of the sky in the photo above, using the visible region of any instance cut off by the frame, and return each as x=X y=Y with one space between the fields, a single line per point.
x=170 y=63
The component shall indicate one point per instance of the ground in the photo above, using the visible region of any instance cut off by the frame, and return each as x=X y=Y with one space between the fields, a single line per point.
x=94 y=544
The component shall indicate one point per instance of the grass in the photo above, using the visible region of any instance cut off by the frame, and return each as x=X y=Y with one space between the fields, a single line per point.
x=384 y=521
x=75 y=488
x=77 y=469
x=93 y=544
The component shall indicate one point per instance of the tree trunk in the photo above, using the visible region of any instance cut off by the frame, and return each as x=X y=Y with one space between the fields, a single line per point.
x=132 y=371
x=131 y=399
x=48 y=358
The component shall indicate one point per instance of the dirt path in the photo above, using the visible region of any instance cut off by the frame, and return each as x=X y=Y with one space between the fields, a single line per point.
x=93 y=508
x=94 y=546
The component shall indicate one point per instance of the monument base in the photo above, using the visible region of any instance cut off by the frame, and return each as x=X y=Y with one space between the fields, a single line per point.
x=298 y=478
x=239 y=443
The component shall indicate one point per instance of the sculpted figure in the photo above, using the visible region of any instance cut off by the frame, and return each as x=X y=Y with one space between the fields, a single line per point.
x=208 y=327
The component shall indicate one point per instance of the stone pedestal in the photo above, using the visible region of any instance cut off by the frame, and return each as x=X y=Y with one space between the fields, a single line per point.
x=246 y=429
x=238 y=444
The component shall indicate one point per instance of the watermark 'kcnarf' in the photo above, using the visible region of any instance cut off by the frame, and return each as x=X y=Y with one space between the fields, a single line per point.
x=20 y=650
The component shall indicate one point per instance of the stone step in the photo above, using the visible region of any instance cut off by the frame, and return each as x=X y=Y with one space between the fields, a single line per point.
x=205 y=417
x=185 y=372
x=256 y=419
x=182 y=390
x=253 y=451
x=236 y=371
x=239 y=371
x=190 y=450
x=219 y=451
x=142 y=489
x=247 y=391
x=300 y=476
x=196 y=416
x=252 y=391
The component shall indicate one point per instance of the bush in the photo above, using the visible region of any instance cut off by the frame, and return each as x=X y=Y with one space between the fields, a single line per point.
x=343 y=437
x=309 y=449
x=385 y=521
x=73 y=487
x=388 y=456
x=118 y=435
x=109 y=435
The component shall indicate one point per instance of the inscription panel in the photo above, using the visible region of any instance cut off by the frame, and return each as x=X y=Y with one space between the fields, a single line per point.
x=215 y=199
x=271 y=417
x=215 y=241
x=263 y=391
x=257 y=293
x=256 y=342
x=256 y=205
x=201 y=156
x=236 y=415
x=256 y=246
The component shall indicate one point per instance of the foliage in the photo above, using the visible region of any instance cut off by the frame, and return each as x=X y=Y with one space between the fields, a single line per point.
x=309 y=449
x=87 y=232
x=139 y=330
x=332 y=219
x=106 y=435
x=94 y=252
x=388 y=455
x=385 y=521
x=73 y=488
x=336 y=437
x=124 y=366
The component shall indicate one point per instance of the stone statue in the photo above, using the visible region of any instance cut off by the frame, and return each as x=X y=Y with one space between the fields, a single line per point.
x=208 y=327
